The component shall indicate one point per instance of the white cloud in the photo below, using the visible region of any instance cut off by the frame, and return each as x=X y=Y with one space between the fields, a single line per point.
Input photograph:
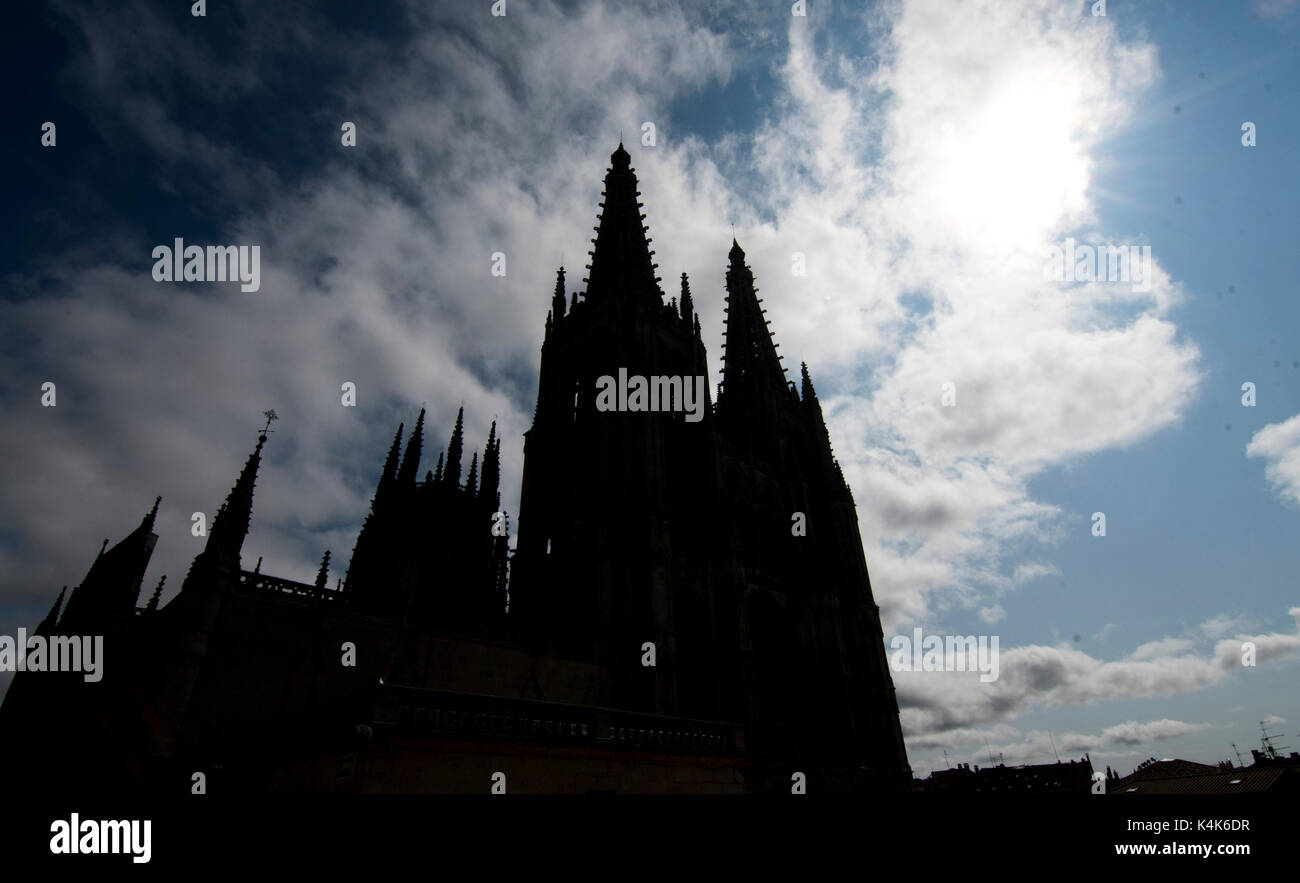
x=1273 y=8
x=1036 y=677
x=1279 y=445
x=1135 y=733
x=1224 y=624
x=1162 y=647
x=1008 y=744
x=1275 y=645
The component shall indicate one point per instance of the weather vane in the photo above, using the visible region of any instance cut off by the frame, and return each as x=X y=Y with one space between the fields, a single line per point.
x=269 y=415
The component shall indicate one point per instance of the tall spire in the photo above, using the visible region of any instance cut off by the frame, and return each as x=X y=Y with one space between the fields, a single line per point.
x=812 y=409
x=621 y=262
x=411 y=459
x=230 y=527
x=145 y=543
x=688 y=303
x=491 y=467
x=364 y=552
x=557 y=301
x=389 y=475
x=112 y=585
x=809 y=394
x=451 y=473
x=437 y=472
x=323 y=575
x=750 y=366
x=471 y=485
x=157 y=593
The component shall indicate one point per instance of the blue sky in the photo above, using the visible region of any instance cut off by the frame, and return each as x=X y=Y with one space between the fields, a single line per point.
x=1197 y=532
x=920 y=156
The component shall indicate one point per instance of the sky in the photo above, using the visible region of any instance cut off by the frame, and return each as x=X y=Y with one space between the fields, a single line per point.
x=918 y=159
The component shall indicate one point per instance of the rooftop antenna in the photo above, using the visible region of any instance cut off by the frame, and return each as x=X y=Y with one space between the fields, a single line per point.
x=1053 y=740
x=945 y=758
x=1241 y=761
x=990 y=750
x=1266 y=740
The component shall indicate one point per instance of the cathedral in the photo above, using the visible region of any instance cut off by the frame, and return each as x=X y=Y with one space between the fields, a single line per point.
x=686 y=607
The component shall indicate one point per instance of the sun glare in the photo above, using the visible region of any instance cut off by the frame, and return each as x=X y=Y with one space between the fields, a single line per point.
x=1018 y=173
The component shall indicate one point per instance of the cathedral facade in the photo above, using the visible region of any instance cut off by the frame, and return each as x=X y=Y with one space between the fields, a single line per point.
x=687 y=608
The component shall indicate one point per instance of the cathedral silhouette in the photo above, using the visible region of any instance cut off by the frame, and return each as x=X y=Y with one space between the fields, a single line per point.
x=687 y=608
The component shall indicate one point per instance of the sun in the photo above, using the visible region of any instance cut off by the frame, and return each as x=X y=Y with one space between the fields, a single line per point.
x=1016 y=170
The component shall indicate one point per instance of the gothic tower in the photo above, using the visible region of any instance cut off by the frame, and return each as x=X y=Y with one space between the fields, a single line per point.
x=607 y=494
x=730 y=543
